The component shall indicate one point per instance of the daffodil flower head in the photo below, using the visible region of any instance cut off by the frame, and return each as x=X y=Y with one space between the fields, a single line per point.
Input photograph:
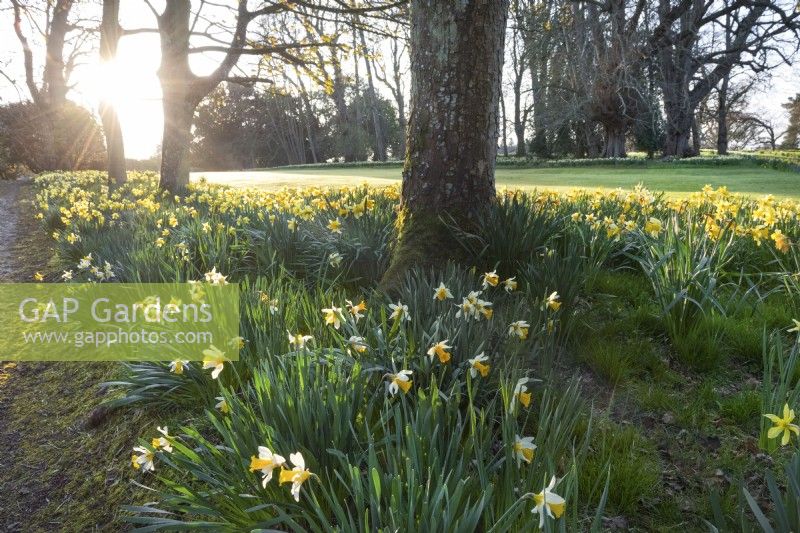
x=214 y=358
x=519 y=329
x=521 y=393
x=442 y=293
x=440 y=350
x=783 y=426
x=400 y=381
x=548 y=503
x=478 y=365
x=296 y=476
x=490 y=279
x=266 y=462
x=552 y=302
x=222 y=405
x=510 y=284
x=399 y=312
x=357 y=343
x=333 y=316
x=162 y=442
x=524 y=449
x=144 y=461
x=298 y=340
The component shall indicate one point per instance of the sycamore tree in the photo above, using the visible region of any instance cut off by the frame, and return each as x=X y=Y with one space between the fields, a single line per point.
x=451 y=142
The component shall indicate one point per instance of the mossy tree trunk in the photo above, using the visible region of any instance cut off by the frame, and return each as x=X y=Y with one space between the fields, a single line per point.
x=451 y=143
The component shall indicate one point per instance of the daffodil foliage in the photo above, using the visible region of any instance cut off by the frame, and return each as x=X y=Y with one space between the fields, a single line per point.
x=434 y=408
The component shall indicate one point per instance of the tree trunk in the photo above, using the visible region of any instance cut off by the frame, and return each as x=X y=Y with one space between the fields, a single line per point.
x=615 y=142
x=695 y=138
x=505 y=125
x=115 y=148
x=456 y=66
x=380 y=143
x=722 y=118
x=55 y=82
x=175 y=143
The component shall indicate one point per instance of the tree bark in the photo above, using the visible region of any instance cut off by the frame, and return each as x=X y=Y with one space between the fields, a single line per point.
x=110 y=32
x=456 y=66
x=615 y=142
x=380 y=143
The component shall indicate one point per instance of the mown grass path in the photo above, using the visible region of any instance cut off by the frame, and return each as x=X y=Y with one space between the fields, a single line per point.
x=56 y=473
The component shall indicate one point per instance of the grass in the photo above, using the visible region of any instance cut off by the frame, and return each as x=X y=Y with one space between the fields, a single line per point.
x=674 y=180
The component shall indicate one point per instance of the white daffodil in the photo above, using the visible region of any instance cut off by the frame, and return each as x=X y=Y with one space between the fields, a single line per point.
x=478 y=365
x=85 y=263
x=399 y=311
x=335 y=259
x=162 y=442
x=67 y=275
x=510 y=284
x=222 y=405
x=440 y=350
x=177 y=366
x=297 y=475
x=442 y=293
x=552 y=302
x=519 y=328
x=357 y=310
x=266 y=462
x=214 y=358
x=333 y=316
x=216 y=278
x=357 y=343
x=144 y=460
x=521 y=393
x=523 y=449
x=549 y=503
x=490 y=279
x=400 y=381
x=796 y=328
x=298 y=340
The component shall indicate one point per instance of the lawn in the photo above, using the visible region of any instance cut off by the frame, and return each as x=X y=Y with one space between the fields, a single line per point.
x=674 y=180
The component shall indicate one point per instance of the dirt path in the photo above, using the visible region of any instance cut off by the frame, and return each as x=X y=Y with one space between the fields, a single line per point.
x=56 y=474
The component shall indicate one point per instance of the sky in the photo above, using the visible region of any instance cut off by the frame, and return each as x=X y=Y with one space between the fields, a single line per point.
x=137 y=95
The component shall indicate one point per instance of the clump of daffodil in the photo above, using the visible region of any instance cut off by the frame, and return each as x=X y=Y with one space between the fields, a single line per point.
x=296 y=476
x=214 y=358
x=401 y=381
x=524 y=449
x=333 y=316
x=519 y=329
x=548 y=503
x=783 y=426
x=298 y=340
x=442 y=293
x=490 y=279
x=440 y=350
x=178 y=366
x=144 y=461
x=399 y=312
x=266 y=462
x=162 y=442
x=478 y=365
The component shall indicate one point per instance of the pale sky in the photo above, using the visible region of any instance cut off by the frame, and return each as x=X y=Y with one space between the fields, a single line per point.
x=137 y=94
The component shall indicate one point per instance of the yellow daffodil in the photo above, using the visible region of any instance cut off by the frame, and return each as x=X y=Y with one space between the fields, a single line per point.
x=440 y=350
x=356 y=310
x=653 y=227
x=266 y=462
x=333 y=316
x=214 y=358
x=222 y=405
x=442 y=293
x=524 y=449
x=783 y=426
x=38 y=276
x=782 y=243
x=490 y=279
x=521 y=393
x=478 y=365
x=335 y=225
x=399 y=382
x=519 y=329
x=216 y=278
x=296 y=476
x=292 y=224
x=549 y=503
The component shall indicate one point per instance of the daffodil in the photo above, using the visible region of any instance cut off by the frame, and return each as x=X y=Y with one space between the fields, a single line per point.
x=335 y=225
x=266 y=462
x=333 y=316
x=297 y=475
x=292 y=224
x=399 y=311
x=552 y=301
x=400 y=381
x=67 y=275
x=144 y=461
x=356 y=310
x=796 y=328
x=510 y=284
x=222 y=405
x=162 y=442
x=216 y=278
x=549 y=503
x=490 y=279
x=298 y=340
x=653 y=226
x=335 y=259
x=523 y=449
x=782 y=243
x=440 y=350
x=519 y=328
x=783 y=425
x=357 y=343
x=85 y=263
x=214 y=358
x=177 y=366
x=478 y=365
x=521 y=393
x=442 y=293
